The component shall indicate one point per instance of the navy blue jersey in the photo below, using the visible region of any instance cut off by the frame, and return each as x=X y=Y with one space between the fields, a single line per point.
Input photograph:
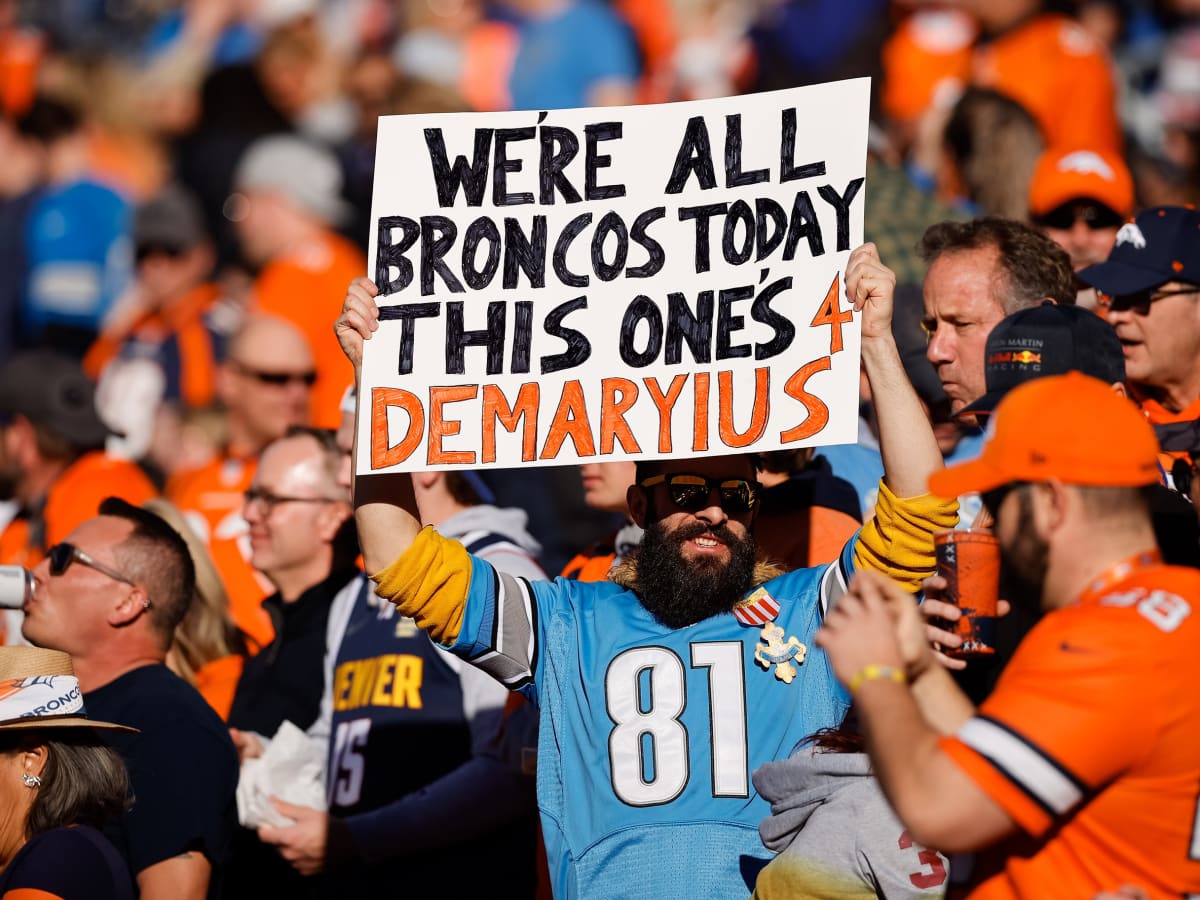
x=395 y=697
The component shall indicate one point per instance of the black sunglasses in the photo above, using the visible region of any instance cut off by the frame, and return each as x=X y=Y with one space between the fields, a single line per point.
x=276 y=379
x=61 y=556
x=1094 y=217
x=149 y=249
x=1140 y=301
x=691 y=492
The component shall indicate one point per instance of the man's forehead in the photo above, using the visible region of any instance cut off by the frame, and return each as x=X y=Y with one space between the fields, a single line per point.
x=737 y=465
x=272 y=344
x=296 y=458
x=100 y=532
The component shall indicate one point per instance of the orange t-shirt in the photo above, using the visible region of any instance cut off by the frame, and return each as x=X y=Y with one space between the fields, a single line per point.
x=307 y=287
x=1049 y=64
x=1091 y=743
x=73 y=499
x=211 y=498
x=77 y=493
x=593 y=563
x=217 y=682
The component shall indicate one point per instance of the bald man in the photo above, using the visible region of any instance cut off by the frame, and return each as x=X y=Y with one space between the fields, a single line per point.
x=264 y=384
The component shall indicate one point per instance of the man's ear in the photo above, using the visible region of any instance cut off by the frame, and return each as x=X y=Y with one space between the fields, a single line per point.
x=21 y=440
x=131 y=605
x=635 y=499
x=423 y=481
x=1050 y=505
x=335 y=514
x=226 y=382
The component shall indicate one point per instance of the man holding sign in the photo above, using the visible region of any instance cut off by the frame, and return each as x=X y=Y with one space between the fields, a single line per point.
x=660 y=696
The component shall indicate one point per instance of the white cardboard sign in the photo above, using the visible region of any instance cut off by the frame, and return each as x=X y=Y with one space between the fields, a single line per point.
x=615 y=283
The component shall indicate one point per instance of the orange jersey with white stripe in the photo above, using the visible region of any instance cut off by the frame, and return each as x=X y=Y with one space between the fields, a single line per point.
x=211 y=498
x=1091 y=743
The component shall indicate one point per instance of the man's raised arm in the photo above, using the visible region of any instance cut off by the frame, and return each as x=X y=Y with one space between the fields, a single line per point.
x=381 y=502
x=906 y=442
x=898 y=541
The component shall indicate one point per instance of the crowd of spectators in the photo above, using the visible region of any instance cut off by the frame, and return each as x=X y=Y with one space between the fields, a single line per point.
x=184 y=200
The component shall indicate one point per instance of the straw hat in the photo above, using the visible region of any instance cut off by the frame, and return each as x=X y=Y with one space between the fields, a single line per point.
x=38 y=689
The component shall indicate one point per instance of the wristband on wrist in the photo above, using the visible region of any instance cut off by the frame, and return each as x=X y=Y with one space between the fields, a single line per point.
x=876 y=672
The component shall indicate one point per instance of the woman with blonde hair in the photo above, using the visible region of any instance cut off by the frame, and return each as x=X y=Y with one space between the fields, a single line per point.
x=208 y=649
x=59 y=784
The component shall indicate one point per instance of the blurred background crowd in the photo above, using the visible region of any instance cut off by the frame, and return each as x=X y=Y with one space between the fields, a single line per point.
x=170 y=167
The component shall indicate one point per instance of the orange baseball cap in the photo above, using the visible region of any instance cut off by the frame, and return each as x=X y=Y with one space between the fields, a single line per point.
x=1071 y=428
x=1065 y=175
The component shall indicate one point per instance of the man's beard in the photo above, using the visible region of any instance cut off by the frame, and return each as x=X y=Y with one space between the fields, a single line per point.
x=680 y=592
x=1023 y=564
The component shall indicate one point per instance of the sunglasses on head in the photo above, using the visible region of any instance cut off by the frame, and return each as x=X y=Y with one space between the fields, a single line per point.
x=1139 y=301
x=1094 y=217
x=691 y=492
x=277 y=379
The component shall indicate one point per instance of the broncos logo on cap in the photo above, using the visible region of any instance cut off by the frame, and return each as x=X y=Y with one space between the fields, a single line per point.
x=1131 y=234
x=1086 y=162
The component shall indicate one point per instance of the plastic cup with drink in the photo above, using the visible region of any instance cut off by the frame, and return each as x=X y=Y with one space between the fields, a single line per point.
x=969 y=560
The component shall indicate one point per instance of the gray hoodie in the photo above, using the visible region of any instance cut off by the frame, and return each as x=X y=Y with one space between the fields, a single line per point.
x=835 y=834
x=517 y=555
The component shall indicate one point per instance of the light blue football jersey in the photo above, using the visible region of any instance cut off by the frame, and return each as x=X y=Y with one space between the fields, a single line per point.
x=649 y=734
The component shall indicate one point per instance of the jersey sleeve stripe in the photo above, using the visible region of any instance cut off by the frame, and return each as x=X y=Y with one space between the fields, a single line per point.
x=1024 y=764
x=833 y=586
x=1027 y=812
x=513 y=654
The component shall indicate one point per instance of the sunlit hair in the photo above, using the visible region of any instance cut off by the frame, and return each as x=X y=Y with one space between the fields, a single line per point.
x=1031 y=267
x=207 y=632
x=155 y=557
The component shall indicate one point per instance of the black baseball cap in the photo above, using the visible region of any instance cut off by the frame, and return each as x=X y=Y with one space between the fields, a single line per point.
x=1161 y=244
x=52 y=391
x=1047 y=340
